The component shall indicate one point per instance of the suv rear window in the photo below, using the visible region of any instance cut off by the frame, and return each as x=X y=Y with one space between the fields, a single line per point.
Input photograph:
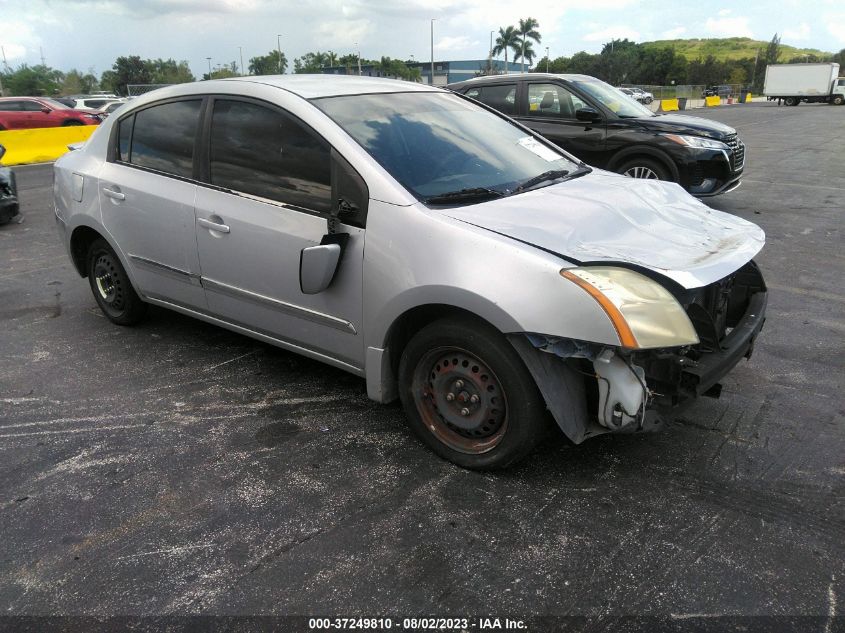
x=502 y=97
x=163 y=138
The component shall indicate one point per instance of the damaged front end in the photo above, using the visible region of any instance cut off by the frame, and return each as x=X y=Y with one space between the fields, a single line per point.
x=636 y=390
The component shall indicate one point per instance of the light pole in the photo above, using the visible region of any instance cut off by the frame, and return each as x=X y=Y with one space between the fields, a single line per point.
x=209 y=67
x=432 y=50
x=279 y=48
x=241 y=51
x=357 y=48
x=547 y=59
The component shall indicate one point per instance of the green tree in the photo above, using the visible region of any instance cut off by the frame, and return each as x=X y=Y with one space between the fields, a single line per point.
x=268 y=64
x=169 y=71
x=33 y=81
x=508 y=39
x=527 y=31
x=125 y=71
x=313 y=62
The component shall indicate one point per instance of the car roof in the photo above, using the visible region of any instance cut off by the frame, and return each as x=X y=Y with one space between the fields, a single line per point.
x=516 y=76
x=308 y=86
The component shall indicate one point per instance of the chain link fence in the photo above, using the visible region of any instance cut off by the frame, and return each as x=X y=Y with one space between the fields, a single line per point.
x=136 y=90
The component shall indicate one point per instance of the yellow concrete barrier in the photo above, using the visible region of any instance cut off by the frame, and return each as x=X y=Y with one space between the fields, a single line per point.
x=42 y=144
x=747 y=97
x=669 y=105
x=712 y=101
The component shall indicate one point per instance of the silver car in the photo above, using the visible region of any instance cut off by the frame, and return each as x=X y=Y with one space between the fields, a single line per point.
x=449 y=256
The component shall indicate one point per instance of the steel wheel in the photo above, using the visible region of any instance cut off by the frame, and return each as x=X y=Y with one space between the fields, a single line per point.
x=108 y=282
x=641 y=171
x=460 y=400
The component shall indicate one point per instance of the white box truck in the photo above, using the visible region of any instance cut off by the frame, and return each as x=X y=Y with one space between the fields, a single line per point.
x=813 y=83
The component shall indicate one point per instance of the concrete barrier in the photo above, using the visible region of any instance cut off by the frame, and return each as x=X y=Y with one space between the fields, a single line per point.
x=42 y=144
x=712 y=101
x=669 y=105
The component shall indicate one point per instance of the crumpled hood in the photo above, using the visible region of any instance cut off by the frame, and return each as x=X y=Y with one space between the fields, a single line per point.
x=604 y=218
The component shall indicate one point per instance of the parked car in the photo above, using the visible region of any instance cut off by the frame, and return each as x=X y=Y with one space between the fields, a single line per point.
x=587 y=117
x=718 y=91
x=70 y=102
x=642 y=96
x=107 y=109
x=17 y=113
x=501 y=276
x=95 y=103
x=9 y=205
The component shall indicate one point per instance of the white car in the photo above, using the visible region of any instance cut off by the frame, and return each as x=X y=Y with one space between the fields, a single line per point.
x=448 y=256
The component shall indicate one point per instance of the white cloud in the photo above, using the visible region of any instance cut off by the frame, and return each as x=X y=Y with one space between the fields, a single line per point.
x=729 y=27
x=725 y=12
x=836 y=26
x=452 y=43
x=19 y=38
x=617 y=32
x=340 y=33
x=675 y=33
x=801 y=32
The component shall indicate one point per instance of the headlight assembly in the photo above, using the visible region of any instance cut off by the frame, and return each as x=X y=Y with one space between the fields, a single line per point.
x=644 y=314
x=696 y=141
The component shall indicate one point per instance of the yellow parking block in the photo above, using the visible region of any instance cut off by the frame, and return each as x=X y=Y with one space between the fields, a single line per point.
x=42 y=144
x=669 y=105
x=748 y=97
x=712 y=101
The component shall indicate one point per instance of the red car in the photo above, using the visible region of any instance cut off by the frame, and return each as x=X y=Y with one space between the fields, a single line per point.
x=19 y=113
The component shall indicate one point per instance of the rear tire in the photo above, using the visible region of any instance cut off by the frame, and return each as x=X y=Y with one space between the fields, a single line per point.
x=110 y=284
x=838 y=100
x=645 y=168
x=468 y=396
x=791 y=101
x=72 y=122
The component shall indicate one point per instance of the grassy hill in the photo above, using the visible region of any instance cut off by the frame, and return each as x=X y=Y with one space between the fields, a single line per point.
x=730 y=48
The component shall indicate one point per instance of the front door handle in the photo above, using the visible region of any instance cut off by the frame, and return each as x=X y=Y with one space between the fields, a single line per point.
x=213 y=226
x=115 y=195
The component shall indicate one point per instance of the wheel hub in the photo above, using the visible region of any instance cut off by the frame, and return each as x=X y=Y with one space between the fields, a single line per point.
x=641 y=172
x=107 y=282
x=460 y=399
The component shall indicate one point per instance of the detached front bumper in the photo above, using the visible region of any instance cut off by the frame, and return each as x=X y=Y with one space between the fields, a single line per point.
x=728 y=316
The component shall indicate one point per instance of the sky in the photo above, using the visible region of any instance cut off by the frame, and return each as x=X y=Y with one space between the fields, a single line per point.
x=90 y=34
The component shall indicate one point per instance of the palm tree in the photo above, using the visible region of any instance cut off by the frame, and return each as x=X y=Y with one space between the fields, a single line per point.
x=508 y=39
x=528 y=31
x=527 y=53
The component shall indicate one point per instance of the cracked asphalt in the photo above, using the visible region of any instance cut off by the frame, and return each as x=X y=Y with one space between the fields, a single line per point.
x=177 y=468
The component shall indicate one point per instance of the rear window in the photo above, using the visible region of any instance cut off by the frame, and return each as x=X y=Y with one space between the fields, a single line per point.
x=163 y=137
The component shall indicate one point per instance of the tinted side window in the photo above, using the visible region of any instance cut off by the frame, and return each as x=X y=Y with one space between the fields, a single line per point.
x=262 y=152
x=10 y=106
x=164 y=137
x=124 y=135
x=552 y=101
x=31 y=106
x=503 y=97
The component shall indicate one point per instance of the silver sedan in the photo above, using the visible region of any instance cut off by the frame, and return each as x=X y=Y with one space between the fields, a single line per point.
x=449 y=256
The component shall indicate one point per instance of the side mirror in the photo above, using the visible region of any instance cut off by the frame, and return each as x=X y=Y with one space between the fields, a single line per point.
x=46 y=110
x=587 y=114
x=2 y=152
x=317 y=267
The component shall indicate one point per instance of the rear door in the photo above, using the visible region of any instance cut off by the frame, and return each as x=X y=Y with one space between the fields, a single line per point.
x=549 y=109
x=272 y=184
x=501 y=96
x=13 y=116
x=147 y=192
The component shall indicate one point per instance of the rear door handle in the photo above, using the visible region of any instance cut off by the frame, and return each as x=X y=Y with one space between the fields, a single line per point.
x=213 y=226
x=111 y=193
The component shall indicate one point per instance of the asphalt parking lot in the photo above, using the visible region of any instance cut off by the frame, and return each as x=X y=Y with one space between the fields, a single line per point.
x=177 y=468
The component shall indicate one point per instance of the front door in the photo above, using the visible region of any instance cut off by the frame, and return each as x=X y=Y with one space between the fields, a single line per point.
x=269 y=198
x=147 y=196
x=550 y=111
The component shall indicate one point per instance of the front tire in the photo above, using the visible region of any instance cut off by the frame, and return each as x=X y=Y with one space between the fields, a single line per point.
x=791 y=101
x=468 y=396
x=111 y=286
x=838 y=100
x=72 y=122
x=644 y=168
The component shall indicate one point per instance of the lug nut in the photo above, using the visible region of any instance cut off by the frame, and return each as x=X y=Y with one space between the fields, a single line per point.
x=474 y=399
x=464 y=411
x=459 y=384
x=449 y=397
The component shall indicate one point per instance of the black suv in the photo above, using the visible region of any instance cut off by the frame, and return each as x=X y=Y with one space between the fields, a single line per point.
x=607 y=129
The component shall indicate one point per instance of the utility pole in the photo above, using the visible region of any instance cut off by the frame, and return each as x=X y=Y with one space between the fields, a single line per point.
x=5 y=63
x=43 y=61
x=358 y=49
x=241 y=51
x=279 y=47
x=547 y=59
x=209 y=67
x=432 y=50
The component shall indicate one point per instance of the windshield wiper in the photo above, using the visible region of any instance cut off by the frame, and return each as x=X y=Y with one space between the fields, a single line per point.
x=473 y=194
x=554 y=174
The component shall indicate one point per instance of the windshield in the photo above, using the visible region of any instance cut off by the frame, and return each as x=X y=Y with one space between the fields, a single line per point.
x=614 y=100
x=54 y=104
x=436 y=143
